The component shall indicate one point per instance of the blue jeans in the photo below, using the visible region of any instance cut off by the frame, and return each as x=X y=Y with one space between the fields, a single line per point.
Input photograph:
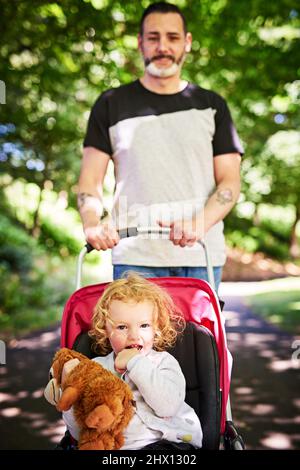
x=199 y=272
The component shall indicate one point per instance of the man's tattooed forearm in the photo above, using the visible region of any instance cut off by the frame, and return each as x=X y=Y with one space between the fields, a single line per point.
x=88 y=203
x=224 y=196
x=82 y=197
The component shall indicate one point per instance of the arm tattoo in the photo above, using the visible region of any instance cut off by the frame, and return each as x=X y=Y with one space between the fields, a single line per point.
x=224 y=196
x=87 y=202
x=82 y=197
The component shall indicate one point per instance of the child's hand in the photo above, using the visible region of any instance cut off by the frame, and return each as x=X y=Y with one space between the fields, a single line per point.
x=123 y=358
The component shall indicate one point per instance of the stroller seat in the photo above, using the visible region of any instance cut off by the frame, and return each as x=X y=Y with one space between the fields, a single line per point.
x=201 y=350
x=196 y=352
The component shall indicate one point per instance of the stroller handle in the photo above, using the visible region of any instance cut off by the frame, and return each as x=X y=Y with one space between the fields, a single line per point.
x=134 y=232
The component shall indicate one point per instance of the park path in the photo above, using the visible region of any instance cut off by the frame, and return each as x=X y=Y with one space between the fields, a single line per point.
x=265 y=387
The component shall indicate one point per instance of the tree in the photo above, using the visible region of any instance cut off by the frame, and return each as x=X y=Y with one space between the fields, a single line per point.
x=57 y=57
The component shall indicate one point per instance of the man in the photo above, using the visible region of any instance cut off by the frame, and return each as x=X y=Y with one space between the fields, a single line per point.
x=176 y=156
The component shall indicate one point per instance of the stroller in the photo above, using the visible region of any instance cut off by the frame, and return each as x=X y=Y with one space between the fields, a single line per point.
x=201 y=351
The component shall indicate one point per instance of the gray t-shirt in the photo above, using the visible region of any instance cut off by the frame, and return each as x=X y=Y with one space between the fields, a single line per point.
x=162 y=147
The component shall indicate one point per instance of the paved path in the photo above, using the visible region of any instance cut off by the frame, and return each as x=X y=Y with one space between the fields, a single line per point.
x=265 y=386
x=27 y=420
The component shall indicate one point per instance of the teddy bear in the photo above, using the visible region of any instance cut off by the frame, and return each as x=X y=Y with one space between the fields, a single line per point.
x=102 y=403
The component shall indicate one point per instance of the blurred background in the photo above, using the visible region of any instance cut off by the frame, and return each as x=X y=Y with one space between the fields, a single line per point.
x=57 y=57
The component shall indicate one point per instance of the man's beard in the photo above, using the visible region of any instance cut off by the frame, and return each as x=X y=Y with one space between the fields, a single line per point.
x=163 y=72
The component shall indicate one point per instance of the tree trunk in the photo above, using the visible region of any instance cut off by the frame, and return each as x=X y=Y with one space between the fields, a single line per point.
x=294 y=248
x=256 y=219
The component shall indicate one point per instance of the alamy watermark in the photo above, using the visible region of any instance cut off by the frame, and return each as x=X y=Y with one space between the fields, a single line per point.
x=296 y=353
x=2 y=352
x=188 y=214
x=2 y=92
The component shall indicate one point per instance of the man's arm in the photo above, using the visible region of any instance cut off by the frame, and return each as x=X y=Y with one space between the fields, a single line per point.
x=227 y=176
x=89 y=199
x=220 y=203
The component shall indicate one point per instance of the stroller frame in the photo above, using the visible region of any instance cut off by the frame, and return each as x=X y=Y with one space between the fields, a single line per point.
x=231 y=439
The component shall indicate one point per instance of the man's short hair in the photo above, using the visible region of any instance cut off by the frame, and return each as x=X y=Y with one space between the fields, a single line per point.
x=162 y=7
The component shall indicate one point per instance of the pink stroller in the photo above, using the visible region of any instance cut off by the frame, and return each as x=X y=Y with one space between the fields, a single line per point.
x=201 y=351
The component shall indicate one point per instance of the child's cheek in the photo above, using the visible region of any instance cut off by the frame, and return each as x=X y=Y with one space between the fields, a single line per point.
x=117 y=341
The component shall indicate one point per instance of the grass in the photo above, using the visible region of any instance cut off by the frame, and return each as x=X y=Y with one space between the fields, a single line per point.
x=279 y=304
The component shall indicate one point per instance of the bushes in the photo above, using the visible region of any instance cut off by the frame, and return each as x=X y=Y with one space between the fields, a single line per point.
x=57 y=240
x=27 y=299
x=270 y=235
x=15 y=247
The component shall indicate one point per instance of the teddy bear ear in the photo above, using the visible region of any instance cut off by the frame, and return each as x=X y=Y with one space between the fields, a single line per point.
x=52 y=392
x=51 y=374
x=55 y=370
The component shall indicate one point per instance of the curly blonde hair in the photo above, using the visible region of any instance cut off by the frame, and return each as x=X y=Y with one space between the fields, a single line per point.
x=168 y=320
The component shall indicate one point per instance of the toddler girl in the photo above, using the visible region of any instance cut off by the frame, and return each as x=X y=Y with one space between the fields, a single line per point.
x=133 y=323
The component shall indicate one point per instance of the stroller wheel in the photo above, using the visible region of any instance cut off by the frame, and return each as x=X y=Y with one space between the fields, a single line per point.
x=66 y=443
x=232 y=439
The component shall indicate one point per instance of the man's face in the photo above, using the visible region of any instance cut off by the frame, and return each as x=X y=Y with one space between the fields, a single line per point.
x=164 y=44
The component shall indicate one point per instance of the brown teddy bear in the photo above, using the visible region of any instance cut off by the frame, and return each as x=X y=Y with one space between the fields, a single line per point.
x=102 y=403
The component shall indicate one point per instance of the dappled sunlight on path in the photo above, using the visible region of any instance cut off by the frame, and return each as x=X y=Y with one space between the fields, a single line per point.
x=265 y=380
x=265 y=395
x=27 y=420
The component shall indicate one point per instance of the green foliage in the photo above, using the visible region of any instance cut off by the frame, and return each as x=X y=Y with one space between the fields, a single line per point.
x=19 y=290
x=269 y=243
x=57 y=57
x=16 y=247
x=27 y=299
x=56 y=224
x=269 y=236
x=57 y=240
x=280 y=307
x=27 y=302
